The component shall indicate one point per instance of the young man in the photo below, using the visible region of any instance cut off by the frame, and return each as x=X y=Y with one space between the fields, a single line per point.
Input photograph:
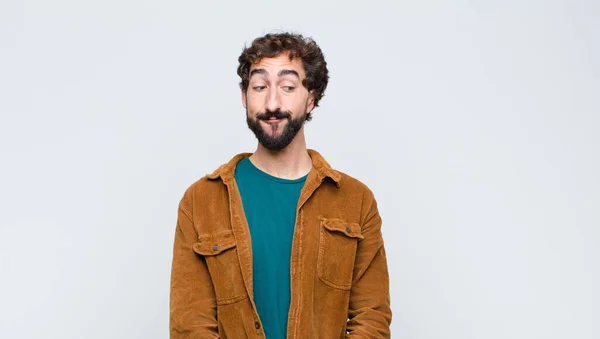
x=276 y=243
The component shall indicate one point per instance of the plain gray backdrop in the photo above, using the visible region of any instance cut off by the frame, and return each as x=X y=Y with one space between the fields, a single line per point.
x=475 y=123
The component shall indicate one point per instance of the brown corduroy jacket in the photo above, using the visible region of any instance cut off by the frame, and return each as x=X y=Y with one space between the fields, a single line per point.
x=339 y=275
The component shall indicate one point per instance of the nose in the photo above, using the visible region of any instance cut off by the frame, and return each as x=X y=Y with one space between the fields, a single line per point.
x=273 y=101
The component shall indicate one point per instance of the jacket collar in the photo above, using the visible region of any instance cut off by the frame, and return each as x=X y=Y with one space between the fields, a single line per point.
x=320 y=165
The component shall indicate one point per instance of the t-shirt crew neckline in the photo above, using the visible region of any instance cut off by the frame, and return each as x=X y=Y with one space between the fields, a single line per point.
x=274 y=178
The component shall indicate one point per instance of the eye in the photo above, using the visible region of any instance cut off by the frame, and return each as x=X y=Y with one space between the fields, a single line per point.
x=259 y=88
x=289 y=88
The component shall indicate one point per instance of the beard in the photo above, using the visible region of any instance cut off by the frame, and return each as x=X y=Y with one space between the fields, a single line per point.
x=275 y=143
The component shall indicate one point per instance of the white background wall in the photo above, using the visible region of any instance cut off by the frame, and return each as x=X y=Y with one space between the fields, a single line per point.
x=474 y=122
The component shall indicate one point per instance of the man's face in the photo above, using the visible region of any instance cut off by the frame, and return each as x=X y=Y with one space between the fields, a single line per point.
x=276 y=102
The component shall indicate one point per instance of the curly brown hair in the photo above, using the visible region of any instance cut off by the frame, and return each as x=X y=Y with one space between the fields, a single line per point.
x=298 y=46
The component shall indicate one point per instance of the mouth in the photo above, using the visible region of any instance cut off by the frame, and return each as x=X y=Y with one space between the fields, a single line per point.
x=272 y=120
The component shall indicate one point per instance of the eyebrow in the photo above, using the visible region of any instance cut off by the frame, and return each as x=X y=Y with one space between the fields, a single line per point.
x=279 y=74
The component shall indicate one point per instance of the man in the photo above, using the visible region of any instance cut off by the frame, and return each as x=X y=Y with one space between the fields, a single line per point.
x=276 y=243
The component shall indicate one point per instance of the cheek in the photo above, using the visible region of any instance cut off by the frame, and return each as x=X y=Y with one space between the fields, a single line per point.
x=297 y=104
x=253 y=103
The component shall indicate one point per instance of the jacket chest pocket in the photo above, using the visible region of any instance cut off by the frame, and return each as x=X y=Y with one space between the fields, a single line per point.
x=338 y=241
x=220 y=252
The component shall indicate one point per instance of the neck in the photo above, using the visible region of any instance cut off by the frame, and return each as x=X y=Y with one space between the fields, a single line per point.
x=292 y=162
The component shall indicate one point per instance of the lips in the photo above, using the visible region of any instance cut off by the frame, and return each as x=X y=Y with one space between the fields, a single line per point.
x=272 y=120
x=274 y=116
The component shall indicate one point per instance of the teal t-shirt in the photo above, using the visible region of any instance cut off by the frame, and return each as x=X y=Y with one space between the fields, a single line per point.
x=270 y=207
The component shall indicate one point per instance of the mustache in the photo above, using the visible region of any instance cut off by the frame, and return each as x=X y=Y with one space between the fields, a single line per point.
x=275 y=114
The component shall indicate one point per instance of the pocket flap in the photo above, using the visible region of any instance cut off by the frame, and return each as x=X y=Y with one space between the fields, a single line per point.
x=349 y=229
x=213 y=244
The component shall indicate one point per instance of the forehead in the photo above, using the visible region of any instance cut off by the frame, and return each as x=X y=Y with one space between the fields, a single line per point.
x=275 y=64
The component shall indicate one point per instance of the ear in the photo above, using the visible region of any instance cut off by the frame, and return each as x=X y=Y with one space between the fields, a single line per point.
x=310 y=104
x=244 y=98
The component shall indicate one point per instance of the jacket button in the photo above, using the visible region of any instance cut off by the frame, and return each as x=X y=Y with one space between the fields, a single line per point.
x=215 y=247
x=257 y=325
x=348 y=230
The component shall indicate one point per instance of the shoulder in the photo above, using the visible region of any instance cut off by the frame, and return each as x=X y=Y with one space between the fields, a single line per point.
x=346 y=184
x=211 y=186
x=349 y=182
x=355 y=188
